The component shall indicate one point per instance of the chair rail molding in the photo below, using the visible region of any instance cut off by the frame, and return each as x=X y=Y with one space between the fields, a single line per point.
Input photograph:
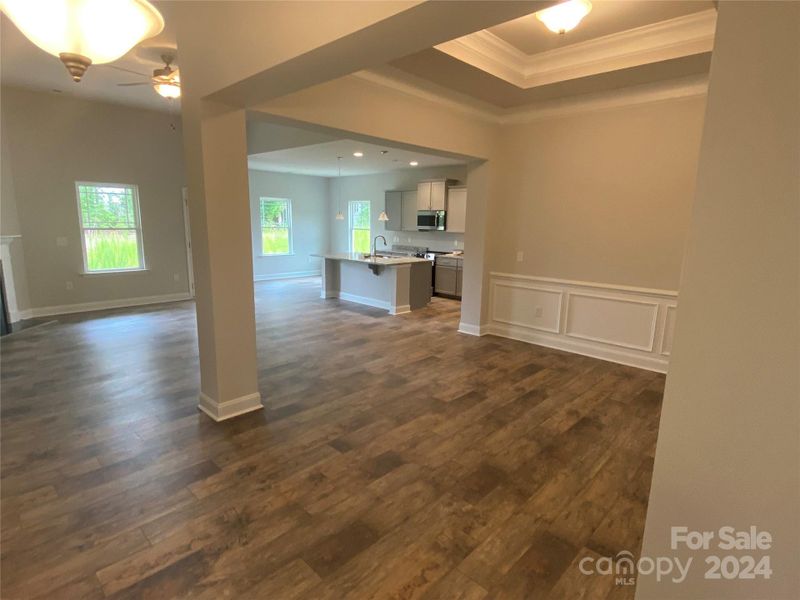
x=624 y=324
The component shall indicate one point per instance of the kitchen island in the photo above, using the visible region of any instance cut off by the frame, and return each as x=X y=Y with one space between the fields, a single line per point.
x=398 y=284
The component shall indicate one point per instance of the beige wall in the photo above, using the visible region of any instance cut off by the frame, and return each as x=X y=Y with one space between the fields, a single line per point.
x=602 y=196
x=310 y=221
x=9 y=226
x=55 y=140
x=728 y=450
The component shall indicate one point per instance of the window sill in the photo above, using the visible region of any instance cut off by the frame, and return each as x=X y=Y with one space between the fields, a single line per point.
x=112 y=272
x=271 y=255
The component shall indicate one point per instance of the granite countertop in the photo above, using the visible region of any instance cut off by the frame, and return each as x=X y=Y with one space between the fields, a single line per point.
x=378 y=260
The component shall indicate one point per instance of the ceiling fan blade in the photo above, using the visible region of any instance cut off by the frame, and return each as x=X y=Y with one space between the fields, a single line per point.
x=131 y=84
x=123 y=69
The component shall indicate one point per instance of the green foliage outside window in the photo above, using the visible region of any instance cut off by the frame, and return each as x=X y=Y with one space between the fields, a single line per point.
x=359 y=226
x=276 y=226
x=110 y=226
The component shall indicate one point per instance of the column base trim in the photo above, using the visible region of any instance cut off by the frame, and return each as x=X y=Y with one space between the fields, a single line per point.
x=470 y=329
x=232 y=408
x=400 y=309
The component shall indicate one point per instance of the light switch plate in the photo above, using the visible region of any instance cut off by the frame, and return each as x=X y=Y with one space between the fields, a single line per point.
x=519 y=256
x=61 y=241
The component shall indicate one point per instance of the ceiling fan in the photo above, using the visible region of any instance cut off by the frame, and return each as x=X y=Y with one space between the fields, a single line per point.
x=166 y=81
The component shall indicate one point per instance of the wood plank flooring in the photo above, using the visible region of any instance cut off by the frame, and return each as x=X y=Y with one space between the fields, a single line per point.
x=395 y=458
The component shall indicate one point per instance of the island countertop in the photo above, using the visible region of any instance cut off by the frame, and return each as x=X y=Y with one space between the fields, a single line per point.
x=377 y=260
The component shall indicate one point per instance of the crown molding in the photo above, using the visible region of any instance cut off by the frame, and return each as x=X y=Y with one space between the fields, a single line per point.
x=674 y=38
x=673 y=89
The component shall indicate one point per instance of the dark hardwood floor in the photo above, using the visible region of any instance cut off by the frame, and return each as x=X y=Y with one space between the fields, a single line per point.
x=395 y=458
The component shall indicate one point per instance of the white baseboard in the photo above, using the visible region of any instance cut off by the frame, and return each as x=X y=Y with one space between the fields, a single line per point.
x=400 y=309
x=623 y=324
x=66 y=309
x=658 y=364
x=361 y=300
x=287 y=275
x=220 y=411
x=470 y=329
x=20 y=315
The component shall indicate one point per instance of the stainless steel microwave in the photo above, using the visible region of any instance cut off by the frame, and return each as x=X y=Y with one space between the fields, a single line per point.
x=431 y=220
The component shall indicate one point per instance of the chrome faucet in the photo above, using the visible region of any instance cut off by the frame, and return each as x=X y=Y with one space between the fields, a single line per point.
x=375 y=244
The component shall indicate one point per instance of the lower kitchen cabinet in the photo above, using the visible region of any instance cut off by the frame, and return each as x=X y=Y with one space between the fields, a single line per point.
x=446 y=280
x=447 y=277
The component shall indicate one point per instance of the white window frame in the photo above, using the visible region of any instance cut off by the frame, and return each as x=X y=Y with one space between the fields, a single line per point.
x=290 y=226
x=138 y=229
x=350 y=227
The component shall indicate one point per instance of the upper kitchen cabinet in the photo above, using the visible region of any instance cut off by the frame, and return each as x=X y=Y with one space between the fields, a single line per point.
x=409 y=201
x=394 y=210
x=457 y=209
x=432 y=195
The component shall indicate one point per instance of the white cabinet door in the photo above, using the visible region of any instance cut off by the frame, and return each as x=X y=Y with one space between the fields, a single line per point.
x=410 y=211
x=446 y=280
x=424 y=195
x=438 y=195
x=457 y=210
x=394 y=211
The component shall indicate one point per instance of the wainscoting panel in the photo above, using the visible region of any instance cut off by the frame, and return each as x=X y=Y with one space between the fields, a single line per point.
x=670 y=314
x=628 y=325
x=618 y=321
x=525 y=305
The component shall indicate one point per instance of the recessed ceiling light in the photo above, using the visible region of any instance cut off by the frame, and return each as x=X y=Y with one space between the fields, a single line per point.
x=384 y=152
x=358 y=154
x=413 y=163
x=564 y=16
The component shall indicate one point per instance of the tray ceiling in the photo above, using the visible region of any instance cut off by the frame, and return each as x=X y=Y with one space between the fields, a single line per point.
x=619 y=44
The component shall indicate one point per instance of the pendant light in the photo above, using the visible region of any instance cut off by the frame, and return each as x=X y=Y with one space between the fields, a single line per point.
x=383 y=216
x=339 y=213
x=84 y=32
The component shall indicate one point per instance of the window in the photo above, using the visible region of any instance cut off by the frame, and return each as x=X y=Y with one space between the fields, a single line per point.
x=276 y=226
x=111 y=230
x=359 y=226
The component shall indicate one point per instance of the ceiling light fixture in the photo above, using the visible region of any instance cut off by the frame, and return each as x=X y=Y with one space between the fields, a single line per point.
x=383 y=216
x=169 y=88
x=413 y=163
x=358 y=154
x=564 y=16
x=339 y=213
x=84 y=32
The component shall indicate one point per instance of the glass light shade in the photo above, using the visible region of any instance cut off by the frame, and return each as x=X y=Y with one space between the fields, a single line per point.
x=168 y=86
x=383 y=216
x=85 y=31
x=564 y=16
x=339 y=216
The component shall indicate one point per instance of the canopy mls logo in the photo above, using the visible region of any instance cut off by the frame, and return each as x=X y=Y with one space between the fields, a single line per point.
x=625 y=568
